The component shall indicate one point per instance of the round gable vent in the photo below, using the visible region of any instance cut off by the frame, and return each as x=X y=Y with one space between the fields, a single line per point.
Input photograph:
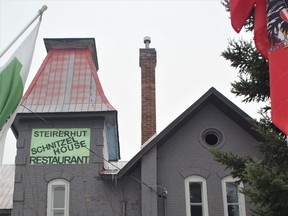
x=212 y=137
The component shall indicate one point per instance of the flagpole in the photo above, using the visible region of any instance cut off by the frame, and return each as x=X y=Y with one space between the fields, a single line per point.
x=40 y=12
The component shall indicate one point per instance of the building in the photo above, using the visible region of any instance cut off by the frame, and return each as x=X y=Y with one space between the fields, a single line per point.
x=6 y=189
x=68 y=152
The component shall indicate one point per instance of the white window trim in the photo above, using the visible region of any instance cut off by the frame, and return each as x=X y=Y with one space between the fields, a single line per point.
x=56 y=182
x=204 y=194
x=241 y=197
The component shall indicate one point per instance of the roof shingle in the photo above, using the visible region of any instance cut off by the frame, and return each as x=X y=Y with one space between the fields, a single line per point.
x=67 y=81
x=7 y=186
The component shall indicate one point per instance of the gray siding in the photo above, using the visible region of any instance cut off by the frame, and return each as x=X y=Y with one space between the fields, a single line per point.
x=183 y=155
x=89 y=193
x=149 y=177
x=174 y=156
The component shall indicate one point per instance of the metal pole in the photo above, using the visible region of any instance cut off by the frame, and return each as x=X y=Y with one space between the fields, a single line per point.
x=40 y=12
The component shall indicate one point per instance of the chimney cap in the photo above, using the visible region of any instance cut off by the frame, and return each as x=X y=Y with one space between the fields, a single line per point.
x=147 y=41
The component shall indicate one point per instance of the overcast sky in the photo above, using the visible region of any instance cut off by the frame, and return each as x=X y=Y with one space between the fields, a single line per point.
x=189 y=37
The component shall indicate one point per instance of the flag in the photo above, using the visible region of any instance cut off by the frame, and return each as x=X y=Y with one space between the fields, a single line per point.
x=239 y=12
x=260 y=28
x=271 y=39
x=277 y=25
x=13 y=76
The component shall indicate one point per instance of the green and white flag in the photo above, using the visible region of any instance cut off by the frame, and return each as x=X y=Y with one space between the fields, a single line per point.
x=13 y=76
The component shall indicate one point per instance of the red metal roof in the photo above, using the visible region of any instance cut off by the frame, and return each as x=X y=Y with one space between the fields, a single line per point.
x=6 y=186
x=67 y=81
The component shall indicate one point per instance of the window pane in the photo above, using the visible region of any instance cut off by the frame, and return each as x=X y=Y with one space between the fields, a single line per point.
x=233 y=210
x=232 y=194
x=196 y=210
x=59 y=196
x=58 y=212
x=195 y=192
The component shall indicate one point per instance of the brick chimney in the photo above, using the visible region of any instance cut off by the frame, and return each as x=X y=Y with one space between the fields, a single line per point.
x=148 y=64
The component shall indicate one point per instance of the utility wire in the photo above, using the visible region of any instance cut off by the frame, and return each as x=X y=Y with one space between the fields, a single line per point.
x=133 y=177
x=101 y=157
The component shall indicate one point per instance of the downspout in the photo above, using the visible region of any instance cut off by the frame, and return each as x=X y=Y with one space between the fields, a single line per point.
x=164 y=197
x=123 y=208
x=165 y=206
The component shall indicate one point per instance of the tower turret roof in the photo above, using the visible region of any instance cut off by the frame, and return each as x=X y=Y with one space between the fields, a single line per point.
x=67 y=80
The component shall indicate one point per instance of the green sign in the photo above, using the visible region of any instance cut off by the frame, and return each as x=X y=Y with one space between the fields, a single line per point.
x=60 y=146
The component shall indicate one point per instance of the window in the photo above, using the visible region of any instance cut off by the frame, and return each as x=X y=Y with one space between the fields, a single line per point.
x=234 y=201
x=196 y=196
x=58 y=198
x=212 y=137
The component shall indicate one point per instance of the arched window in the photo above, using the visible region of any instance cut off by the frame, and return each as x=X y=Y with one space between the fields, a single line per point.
x=58 y=198
x=196 y=196
x=234 y=201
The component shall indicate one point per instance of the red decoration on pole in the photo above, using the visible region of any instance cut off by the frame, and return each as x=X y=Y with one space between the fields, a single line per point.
x=260 y=28
x=239 y=12
x=270 y=36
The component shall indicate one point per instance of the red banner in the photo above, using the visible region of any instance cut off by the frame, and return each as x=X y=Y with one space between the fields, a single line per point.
x=270 y=36
x=260 y=28
x=277 y=17
x=239 y=12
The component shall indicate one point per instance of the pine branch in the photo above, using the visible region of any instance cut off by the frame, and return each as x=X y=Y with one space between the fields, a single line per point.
x=253 y=83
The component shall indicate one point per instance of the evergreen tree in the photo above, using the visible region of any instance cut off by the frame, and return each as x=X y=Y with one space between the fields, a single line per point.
x=268 y=175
